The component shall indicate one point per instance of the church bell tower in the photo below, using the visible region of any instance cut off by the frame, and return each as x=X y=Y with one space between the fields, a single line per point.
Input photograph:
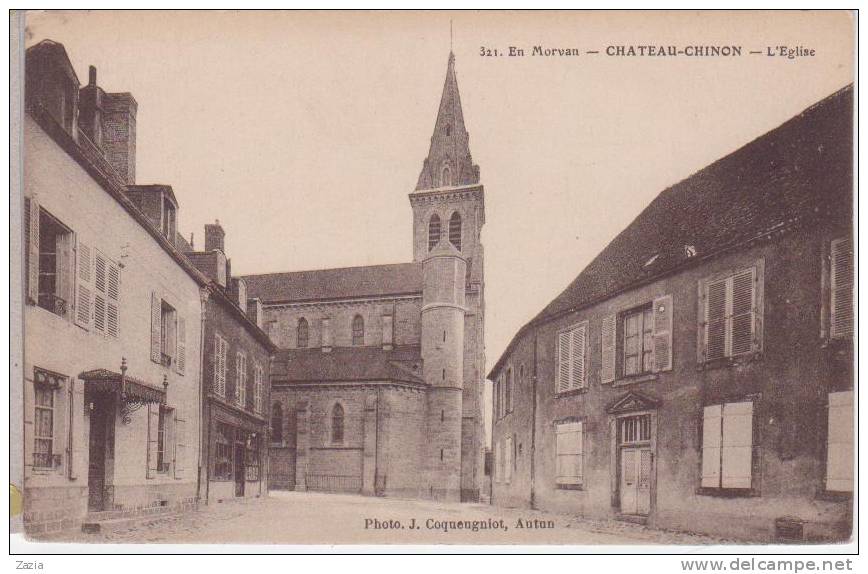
x=448 y=214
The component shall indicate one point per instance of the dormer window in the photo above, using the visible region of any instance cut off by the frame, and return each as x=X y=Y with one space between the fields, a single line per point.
x=168 y=224
x=445 y=176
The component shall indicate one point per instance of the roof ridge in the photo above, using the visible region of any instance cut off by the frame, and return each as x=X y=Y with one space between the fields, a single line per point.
x=273 y=273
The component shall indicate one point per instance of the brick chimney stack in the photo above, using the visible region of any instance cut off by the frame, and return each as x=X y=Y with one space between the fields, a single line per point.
x=90 y=100
x=214 y=236
x=119 y=133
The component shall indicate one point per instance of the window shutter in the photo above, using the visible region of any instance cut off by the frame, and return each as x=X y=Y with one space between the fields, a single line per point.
x=839 y=451
x=180 y=445
x=113 y=293
x=737 y=444
x=711 y=445
x=568 y=449
x=715 y=320
x=84 y=287
x=153 y=429
x=564 y=363
x=31 y=207
x=841 y=288
x=100 y=301
x=579 y=341
x=743 y=308
x=608 y=345
x=181 y=357
x=507 y=459
x=155 y=327
x=65 y=270
x=662 y=314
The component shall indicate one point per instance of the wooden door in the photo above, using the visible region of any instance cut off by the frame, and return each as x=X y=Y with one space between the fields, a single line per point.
x=239 y=469
x=635 y=485
x=96 y=458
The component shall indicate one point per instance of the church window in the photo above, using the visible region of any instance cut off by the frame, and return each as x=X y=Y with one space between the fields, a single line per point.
x=276 y=422
x=358 y=331
x=455 y=230
x=302 y=334
x=448 y=130
x=337 y=423
x=433 y=232
x=445 y=176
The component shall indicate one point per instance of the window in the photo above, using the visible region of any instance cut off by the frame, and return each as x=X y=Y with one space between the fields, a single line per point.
x=572 y=344
x=168 y=326
x=727 y=445
x=276 y=422
x=433 y=231
x=448 y=129
x=49 y=260
x=301 y=340
x=455 y=230
x=568 y=452
x=498 y=385
x=223 y=452
x=168 y=220
x=839 y=447
x=337 y=423
x=498 y=463
x=241 y=379
x=445 y=176
x=221 y=350
x=45 y=385
x=509 y=389
x=731 y=315
x=638 y=342
x=358 y=331
x=634 y=430
x=507 y=460
x=257 y=388
x=163 y=439
x=841 y=275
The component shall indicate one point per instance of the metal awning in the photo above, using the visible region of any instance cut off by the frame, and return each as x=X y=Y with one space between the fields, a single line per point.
x=129 y=388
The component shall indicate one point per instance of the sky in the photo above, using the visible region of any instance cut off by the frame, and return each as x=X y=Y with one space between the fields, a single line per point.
x=304 y=132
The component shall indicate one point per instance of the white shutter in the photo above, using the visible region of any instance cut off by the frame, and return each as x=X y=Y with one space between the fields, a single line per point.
x=180 y=445
x=181 y=356
x=578 y=343
x=100 y=280
x=564 y=363
x=568 y=450
x=839 y=448
x=152 y=438
x=113 y=293
x=662 y=313
x=711 y=443
x=743 y=304
x=737 y=455
x=841 y=273
x=156 y=314
x=84 y=286
x=31 y=207
x=608 y=349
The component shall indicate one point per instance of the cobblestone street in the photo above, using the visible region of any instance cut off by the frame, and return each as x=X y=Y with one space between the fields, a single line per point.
x=315 y=518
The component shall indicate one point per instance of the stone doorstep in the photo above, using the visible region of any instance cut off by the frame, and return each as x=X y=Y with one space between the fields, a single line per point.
x=104 y=525
x=632 y=518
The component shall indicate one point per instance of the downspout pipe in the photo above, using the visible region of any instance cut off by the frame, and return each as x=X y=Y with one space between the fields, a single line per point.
x=203 y=422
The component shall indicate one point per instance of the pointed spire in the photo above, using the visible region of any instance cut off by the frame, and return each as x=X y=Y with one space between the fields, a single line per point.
x=449 y=162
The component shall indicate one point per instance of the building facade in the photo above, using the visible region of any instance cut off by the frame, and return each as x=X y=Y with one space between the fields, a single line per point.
x=111 y=368
x=235 y=373
x=377 y=386
x=698 y=374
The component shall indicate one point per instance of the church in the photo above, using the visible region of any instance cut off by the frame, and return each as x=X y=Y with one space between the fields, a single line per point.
x=377 y=385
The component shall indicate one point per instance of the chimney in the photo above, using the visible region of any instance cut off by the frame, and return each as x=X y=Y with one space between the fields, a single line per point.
x=326 y=336
x=214 y=236
x=90 y=109
x=388 y=323
x=255 y=311
x=118 y=139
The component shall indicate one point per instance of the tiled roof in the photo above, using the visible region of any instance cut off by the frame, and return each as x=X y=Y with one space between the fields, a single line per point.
x=346 y=282
x=343 y=364
x=797 y=173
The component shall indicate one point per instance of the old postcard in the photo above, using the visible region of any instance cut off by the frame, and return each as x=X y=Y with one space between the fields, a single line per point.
x=247 y=262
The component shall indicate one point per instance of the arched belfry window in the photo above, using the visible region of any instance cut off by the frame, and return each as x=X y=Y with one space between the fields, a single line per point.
x=445 y=176
x=455 y=230
x=276 y=422
x=433 y=231
x=302 y=334
x=337 y=423
x=358 y=331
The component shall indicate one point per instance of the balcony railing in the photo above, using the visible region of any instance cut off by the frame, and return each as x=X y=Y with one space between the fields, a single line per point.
x=53 y=303
x=46 y=460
